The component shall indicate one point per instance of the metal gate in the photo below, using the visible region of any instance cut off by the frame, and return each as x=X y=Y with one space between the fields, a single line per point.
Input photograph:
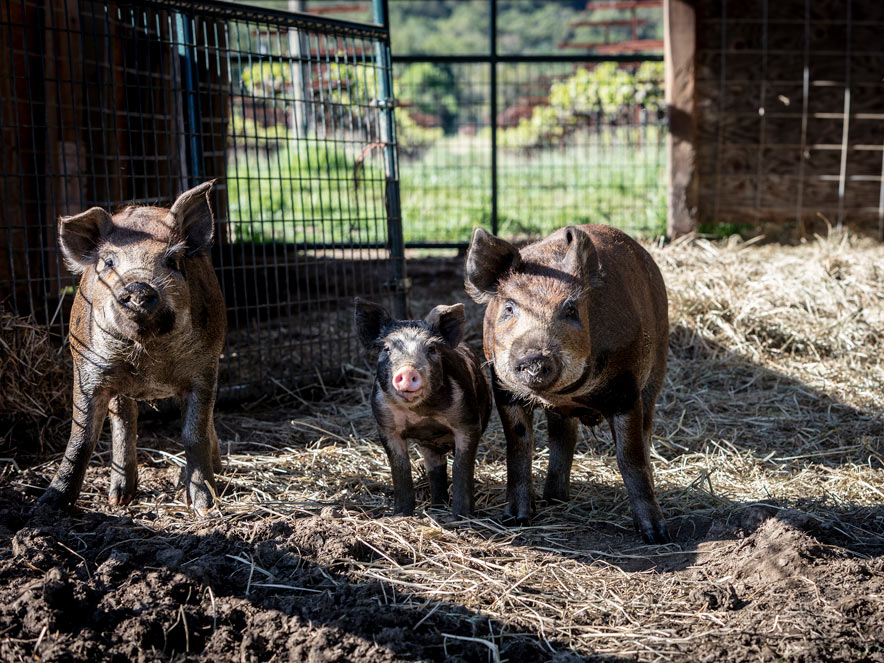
x=533 y=141
x=118 y=103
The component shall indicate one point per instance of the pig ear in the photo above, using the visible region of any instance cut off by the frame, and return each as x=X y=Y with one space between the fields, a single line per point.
x=580 y=252
x=193 y=214
x=80 y=235
x=370 y=318
x=488 y=259
x=449 y=321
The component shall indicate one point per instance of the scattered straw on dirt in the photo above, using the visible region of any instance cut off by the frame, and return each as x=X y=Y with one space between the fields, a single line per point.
x=35 y=391
x=769 y=461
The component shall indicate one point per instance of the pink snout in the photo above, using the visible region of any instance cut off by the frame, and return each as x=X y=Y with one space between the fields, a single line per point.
x=407 y=380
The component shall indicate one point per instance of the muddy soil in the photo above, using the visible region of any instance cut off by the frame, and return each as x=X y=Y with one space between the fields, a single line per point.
x=96 y=586
x=99 y=585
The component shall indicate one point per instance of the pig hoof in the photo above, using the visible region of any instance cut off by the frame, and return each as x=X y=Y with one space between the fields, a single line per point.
x=517 y=521
x=55 y=498
x=120 y=496
x=514 y=515
x=200 y=500
x=655 y=533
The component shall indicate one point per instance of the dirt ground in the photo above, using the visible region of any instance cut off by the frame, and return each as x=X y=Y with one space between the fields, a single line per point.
x=769 y=459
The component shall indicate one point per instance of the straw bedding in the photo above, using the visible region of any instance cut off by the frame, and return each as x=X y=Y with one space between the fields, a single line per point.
x=769 y=462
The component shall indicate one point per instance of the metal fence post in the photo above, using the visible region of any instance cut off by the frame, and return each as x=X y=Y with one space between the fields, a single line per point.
x=388 y=136
x=492 y=26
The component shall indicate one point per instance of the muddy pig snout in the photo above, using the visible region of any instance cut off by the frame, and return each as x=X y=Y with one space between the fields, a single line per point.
x=536 y=370
x=407 y=379
x=138 y=297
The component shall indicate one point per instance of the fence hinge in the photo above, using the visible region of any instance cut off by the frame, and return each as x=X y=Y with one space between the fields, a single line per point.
x=385 y=103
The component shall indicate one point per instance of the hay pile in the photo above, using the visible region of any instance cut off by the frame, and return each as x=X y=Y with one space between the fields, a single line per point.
x=35 y=391
x=774 y=393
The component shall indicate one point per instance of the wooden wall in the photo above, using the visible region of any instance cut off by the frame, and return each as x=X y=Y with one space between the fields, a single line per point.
x=790 y=114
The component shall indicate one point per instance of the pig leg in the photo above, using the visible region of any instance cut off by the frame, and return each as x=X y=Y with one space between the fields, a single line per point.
x=437 y=473
x=199 y=480
x=124 y=431
x=400 y=467
x=465 y=447
x=518 y=429
x=90 y=410
x=216 y=447
x=562 y=440
x=634 y=461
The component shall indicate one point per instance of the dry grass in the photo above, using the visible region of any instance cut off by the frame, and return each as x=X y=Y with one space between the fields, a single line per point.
x=35 y=391
x=774 y=393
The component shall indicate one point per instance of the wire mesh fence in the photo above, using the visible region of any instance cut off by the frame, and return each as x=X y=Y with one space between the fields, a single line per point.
x=120 y=103
x=790 y=115
x=519 y=132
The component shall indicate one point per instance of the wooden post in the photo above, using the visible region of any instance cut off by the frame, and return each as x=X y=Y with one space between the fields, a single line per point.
x=679 y=45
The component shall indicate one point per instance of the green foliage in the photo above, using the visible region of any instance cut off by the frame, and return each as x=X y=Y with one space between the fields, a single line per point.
x=265 y=79
x=606 y=92
x=412 y=138
x=723 y=230
x=310 y=191
x=431 y=89
x=244 y=131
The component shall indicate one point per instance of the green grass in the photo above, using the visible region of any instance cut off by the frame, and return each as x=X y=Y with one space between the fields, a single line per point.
x=317 y=192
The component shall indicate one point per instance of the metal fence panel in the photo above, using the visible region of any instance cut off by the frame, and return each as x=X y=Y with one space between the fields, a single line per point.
x=525 y=142
x=118 y=103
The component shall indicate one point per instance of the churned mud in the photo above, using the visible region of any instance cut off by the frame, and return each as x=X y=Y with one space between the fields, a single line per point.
x=769 y=465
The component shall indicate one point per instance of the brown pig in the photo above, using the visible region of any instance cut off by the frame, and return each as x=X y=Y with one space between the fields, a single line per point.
x=577 y=324
x=147 y=322
x=430 y=387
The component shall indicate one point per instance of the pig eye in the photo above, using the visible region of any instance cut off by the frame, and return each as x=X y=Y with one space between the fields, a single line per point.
x=569 y=311
x=509 y=310
x=432 y=351
x=108 y=261
x=174 y=262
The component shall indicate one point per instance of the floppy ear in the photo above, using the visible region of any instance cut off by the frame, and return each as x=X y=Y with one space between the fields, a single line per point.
x=580 y=252
x=488 y=259
x=370 y=318
x=449 y=321
x=193 y=215
x=80 y=235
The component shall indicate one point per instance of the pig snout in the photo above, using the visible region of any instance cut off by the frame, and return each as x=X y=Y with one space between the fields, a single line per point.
x=138 y=297
x=407 y=380
x=536 y=370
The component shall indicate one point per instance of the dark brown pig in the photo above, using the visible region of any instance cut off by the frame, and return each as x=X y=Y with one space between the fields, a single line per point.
x=431 y=388
x=578 y=325
x=148 y=322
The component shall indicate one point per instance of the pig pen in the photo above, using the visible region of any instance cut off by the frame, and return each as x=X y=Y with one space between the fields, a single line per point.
x=769 y=460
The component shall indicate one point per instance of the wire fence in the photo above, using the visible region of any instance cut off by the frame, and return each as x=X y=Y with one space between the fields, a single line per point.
x=790 y=115
x=119 y=103
x=525 y=142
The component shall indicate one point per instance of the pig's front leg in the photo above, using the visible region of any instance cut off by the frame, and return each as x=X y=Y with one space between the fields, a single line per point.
x=633 y=458
x=124 y=431
x=437 y=474
x=463 y=471
x=562 y=440
x=518 y=429
x=400 y=467
x=90 y=410
x=198 y=410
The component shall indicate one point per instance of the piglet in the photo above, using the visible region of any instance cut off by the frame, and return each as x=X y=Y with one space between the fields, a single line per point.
x=429 y=387
x=147 y=322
